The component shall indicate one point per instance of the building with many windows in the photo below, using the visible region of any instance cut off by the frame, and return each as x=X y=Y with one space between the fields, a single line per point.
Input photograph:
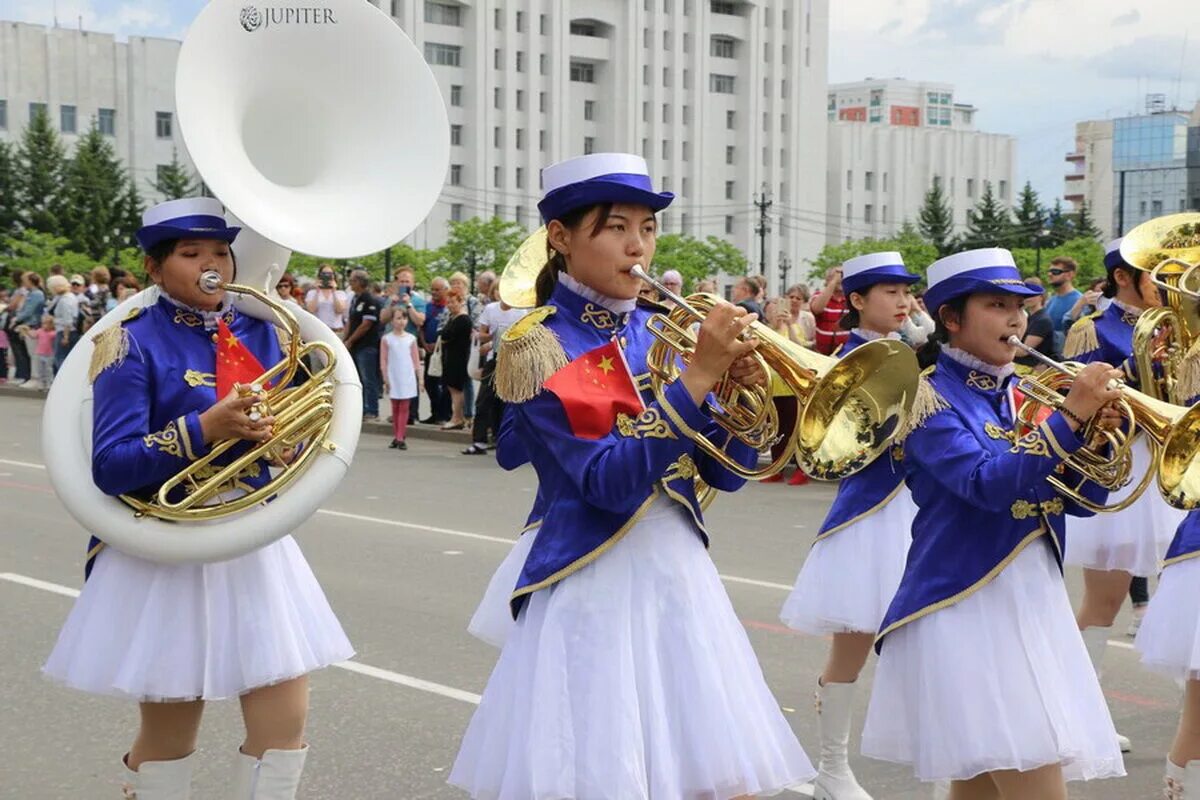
x=1089 y=177
x=722 y=97
x=1154 y=171
x=82 y=77
x=890 y=140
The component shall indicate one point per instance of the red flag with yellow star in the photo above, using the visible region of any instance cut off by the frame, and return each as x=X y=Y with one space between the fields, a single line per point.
x=235 y=362
x=593 y=389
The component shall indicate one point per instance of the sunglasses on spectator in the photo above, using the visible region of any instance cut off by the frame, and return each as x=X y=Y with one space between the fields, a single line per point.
x=282 y=284
x=1056 y=271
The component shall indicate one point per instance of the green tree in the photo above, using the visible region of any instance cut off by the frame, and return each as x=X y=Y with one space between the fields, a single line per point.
x=936 y=220
x=175 y=181
x=917 y=252
x=1030 y=218
x=95 y=181
x=697 y=259
x=35 y=251
x=130 y=218
x=9 y=205
x=1088 y=253
x=1085 y=226
x=491 y=242
x=1058 y=226
x=41 y=161
x=988 y=223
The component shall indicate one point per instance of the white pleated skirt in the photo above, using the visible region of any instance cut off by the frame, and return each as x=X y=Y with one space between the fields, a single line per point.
x=848 y=579
x=998 y=681
x=1134 y=540
x=1169 y=636
x=158 y=632
x=492 y=620
x=629 y=680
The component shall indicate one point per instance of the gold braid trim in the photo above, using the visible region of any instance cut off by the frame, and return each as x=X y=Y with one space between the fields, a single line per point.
x=927 y=403
x=1081 y=338
x=1187 y=382
x=110 y=348
x=529 y=354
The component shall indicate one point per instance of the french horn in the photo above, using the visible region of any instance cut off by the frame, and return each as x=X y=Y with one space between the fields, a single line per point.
x=306 y=133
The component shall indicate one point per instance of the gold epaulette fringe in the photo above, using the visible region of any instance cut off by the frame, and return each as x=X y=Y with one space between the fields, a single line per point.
x=529 y=354
x=1081 y=338
x=1187 y=382
x=927 y=403
x=109 y=347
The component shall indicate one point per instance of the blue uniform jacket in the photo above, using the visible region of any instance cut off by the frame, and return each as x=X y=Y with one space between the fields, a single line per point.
x=981 y=490
x=869 y=490
x=146 y=415
x=592 y=492
x=1105 y=336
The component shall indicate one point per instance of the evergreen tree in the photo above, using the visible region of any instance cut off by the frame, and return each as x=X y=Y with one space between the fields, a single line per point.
x=130 y=218
x=9 y=206
x=1058 y=226
x=1030 y=218
x=988 y=224
x=41 y=161
x=1085 y=227
x=176 y=181
x=93 y=191
x=936 y=220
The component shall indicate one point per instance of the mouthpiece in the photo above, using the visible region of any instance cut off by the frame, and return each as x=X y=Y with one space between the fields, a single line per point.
x=210 y=282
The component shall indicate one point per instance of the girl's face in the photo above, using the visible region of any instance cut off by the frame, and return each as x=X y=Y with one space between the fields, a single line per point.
x=883 y=308
x=399 y=323
x=986 y=323
x=602 y=262
x=454 y=303
x=179 y=273
x=47 y=323
x=461 y=285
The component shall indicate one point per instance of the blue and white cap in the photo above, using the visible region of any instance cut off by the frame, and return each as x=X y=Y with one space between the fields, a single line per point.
x=990 y=269
x=189 y=218
x=1112 y=254
x=598 y=178
x=862 y=272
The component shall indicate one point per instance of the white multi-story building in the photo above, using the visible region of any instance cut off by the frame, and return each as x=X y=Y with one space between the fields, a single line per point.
x=890 y=140
x=1090 y=176
x=127 y=88
x=721 y=97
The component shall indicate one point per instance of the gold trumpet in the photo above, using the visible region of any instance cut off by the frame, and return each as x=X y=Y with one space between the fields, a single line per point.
x=850 y=408
x=1172 y=431
x=1169 y=249
x=302 y=411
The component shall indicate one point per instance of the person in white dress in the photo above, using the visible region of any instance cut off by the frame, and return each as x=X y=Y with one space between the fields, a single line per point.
x=400 y=365
x=172 y=637
x=983 y=679
x=854 y=566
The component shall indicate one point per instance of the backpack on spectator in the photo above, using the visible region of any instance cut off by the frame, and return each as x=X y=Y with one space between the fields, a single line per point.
x=91 y=311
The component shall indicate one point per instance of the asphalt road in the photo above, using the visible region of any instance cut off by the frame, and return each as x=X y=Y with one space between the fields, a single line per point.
x=404 y=551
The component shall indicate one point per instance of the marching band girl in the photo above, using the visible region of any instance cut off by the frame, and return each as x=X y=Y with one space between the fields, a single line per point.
x=854 y=567
x=1114 y=547
x=627 y=674
x=174 y=636
x=983 y=678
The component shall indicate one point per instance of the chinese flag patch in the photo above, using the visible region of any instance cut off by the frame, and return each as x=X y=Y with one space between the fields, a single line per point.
x=593 y=389
x=235 y=362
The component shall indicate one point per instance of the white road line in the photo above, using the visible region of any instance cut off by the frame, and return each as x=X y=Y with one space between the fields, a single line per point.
x=26 y=464
x=420 y=684
x=414 y=526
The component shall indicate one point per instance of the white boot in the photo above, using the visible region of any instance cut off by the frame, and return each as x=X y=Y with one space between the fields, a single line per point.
x=1182 y=783
x=1095 y=639
x=834 y=780
x=276 y=776
x=160 y=780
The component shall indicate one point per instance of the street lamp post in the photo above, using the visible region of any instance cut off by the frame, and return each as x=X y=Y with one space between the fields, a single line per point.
x=785 y=264
x=1037 y=243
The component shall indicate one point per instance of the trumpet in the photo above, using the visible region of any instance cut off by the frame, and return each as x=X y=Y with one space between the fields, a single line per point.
x=1172 y=431
x=850 y=409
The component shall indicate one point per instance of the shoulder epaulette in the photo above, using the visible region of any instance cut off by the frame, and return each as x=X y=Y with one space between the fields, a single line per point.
x=110 y=346
x=1082 y=337
x=927 y=403
x=529 y=354
x=1187 y=379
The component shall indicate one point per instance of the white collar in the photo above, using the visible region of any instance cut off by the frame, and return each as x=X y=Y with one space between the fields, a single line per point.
x=871 y=336
x=971 y=362
x=588 y=293
x=211 y=318
x=1126 y=308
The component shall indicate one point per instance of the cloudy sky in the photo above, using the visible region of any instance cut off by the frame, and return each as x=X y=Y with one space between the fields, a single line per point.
x=1032 y=67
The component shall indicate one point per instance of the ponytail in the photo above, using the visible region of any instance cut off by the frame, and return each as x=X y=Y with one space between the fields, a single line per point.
x=928 y=353
x=547 y=279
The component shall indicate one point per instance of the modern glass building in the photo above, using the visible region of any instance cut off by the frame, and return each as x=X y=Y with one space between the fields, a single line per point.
x=1156 y=168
